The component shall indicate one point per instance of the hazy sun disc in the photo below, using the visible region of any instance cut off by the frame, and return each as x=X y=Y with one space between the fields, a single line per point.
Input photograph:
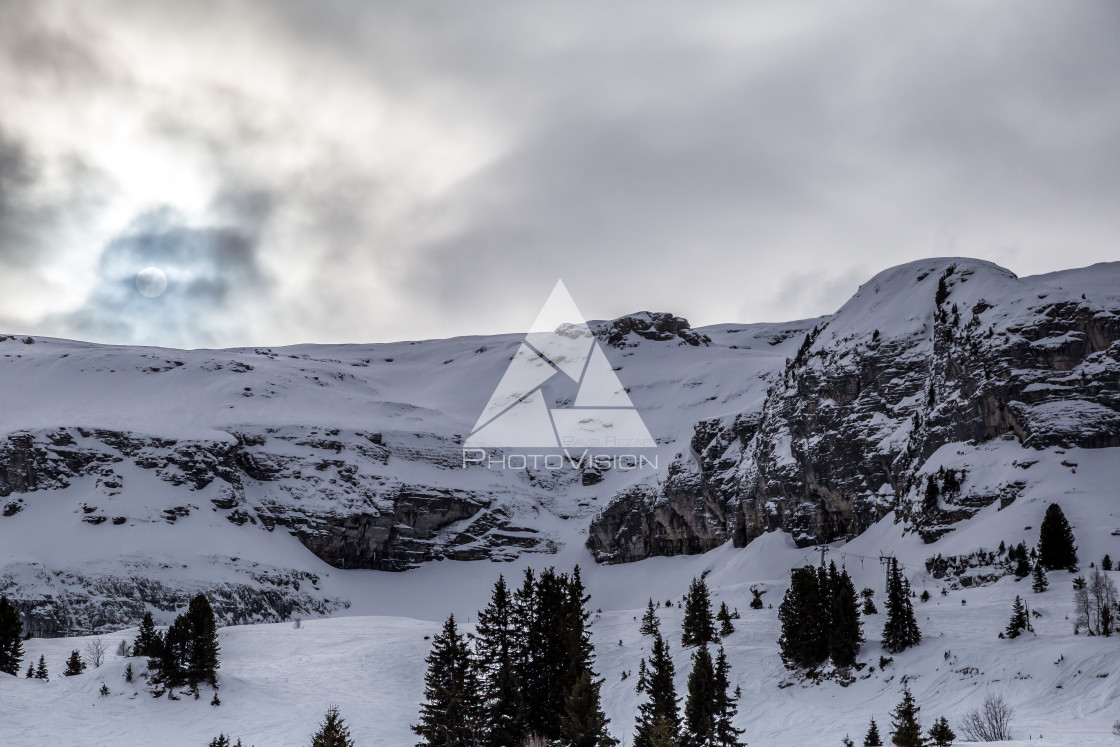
x=151 y=282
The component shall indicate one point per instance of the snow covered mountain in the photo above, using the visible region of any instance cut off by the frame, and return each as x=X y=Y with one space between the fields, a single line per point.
x=133 y=477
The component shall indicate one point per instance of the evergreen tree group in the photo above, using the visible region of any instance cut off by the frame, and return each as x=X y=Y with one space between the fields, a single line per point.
x=900 y=631
x=528 y=672
x=11 y=638
x=698 y=628
x=1056 y=548
x=187 y=654
x=820 y=619
x=709 y=710
x=941 y=734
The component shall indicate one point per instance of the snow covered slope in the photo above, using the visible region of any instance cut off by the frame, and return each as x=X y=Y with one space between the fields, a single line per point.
x=131 y=478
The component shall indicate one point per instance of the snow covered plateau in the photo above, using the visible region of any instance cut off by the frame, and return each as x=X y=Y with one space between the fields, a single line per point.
x=326 y=482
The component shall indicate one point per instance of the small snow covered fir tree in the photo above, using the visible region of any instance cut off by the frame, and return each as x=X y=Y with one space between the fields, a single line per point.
x=756 y=599
x=1039 y=581
x=906 y=731
x=724 y=618
x=333 y=732
x=650 y=623
x=868 y=604
x=901 y=629
x=41 y=670
x=1019 y=621
x=146 y=638
x=11 y=638
x=698 y=627
x=1056 y=548
x=872 y=738
x=940 y=734
x=30 y=671
x=847 y=741
x=74 y=665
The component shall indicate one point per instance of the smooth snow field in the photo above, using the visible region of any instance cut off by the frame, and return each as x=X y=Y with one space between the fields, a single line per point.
x=276 y=681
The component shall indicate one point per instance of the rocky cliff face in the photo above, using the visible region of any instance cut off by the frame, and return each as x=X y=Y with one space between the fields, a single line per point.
x=926 y=354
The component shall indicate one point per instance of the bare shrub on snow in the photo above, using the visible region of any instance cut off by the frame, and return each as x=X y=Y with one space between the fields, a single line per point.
x=989 y=723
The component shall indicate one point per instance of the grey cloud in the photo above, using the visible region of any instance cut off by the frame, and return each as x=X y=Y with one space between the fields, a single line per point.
x=212 y=271
x=725 y=163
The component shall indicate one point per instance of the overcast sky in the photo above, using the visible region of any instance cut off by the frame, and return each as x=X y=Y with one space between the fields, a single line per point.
x=353 y=172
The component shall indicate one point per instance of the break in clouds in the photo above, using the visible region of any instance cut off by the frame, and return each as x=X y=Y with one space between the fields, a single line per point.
x=354 y=172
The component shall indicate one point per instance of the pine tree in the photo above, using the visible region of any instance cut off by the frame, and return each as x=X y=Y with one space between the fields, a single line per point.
x=756 y=599
x=41 y=670
x=1056 y=548
x=700 y=705
x=726 y=710
x=724 y=617
x=11 y=638
x=847 y=742
x=144 y=645
x=868 y=605
x=901 y=629
x=74 y=665
x=450 y=714
x=804 y=641
x=845 y=633
x=659 y=714
x=584 y=724
x=496 y=646
x=651 y=625
x=698 y=627
x=940 y=734
x=643 y=677
x=1019 y=621
x=202 y=648
x=929 y=502
x=872 y=738
x=1106 y=563
x=906 y=731
x=333 y=732
x=1040 y=582
x=30 y=671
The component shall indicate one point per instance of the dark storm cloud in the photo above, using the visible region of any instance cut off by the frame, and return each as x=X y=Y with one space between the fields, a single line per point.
x=729 y=163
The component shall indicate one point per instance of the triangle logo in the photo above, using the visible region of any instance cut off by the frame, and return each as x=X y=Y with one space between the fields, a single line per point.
x=559 y=343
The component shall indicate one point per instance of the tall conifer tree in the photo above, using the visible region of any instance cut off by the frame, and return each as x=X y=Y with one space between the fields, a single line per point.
x=451 y=713
x=659 y=714
x=11 y=638
x=1056 y=548
x=901 y=629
